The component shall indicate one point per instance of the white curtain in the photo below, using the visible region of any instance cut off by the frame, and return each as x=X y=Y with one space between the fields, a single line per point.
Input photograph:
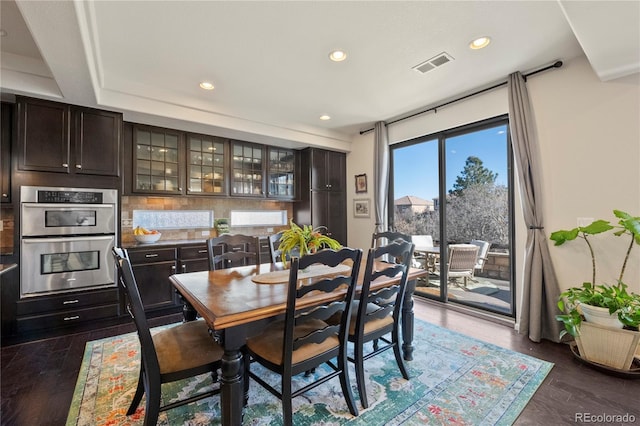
x=381 y=175
x=540 y=288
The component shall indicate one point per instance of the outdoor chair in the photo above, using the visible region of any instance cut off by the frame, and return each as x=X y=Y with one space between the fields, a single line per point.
x=171 y=354
x=483 y=252
x=461 y=263
x=227 y=251
x=304 y=340
x=376 y=315
x=422 y=259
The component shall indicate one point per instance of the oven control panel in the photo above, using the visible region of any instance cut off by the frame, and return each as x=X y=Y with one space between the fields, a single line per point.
x=70 y=197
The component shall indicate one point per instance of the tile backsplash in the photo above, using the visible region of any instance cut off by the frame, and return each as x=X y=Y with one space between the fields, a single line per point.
x=221 y=207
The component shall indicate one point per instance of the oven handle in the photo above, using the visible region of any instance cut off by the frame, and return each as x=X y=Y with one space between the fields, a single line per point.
x=67 y=239
x=62 y=206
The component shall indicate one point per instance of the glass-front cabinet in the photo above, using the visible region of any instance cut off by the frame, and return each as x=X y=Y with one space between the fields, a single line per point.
x=281 y=173
x=247 y=169
x=206 y=165
x=157 y=160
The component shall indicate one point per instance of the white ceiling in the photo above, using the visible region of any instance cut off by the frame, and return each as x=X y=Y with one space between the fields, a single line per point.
x=269 y=59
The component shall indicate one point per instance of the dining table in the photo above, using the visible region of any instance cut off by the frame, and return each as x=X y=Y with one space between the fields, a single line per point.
x=238 y=302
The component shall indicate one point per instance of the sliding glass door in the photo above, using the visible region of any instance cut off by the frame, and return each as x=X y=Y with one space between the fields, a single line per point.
x=452 y=194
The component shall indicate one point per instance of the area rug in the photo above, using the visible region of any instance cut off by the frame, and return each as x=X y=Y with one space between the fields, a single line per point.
x=454 y=379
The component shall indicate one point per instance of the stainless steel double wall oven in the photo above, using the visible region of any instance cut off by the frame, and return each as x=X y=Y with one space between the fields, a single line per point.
x=66 y=236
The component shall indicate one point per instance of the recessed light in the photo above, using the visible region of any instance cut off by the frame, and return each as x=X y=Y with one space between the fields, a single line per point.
x=206 y=85
x=325 y=117
x=480 y=42
x=338 y=55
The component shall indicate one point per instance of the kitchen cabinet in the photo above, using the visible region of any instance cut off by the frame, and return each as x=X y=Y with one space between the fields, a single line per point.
x=158 y=160
x=207 y=165
x=322 y=192
x=281 y=172
x=68 y=309
x=247 y=169
x=57 y=137
x=152 y=268
x=193 y=258
x=5 y=152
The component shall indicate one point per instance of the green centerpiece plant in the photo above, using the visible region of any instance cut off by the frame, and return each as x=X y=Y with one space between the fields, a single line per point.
x=304 y=240
x=614 y=297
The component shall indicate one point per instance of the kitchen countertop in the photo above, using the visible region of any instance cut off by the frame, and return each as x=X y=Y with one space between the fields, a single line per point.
x=161 y=243
x=5 y=267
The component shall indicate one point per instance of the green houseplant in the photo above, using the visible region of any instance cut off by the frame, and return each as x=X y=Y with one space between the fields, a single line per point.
x=594 y=314
x=305 y=239
x=615 y=298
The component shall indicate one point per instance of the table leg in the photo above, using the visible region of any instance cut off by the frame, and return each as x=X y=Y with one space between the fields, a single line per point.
x=407 y=321
x=188 y=313
x=232 y=387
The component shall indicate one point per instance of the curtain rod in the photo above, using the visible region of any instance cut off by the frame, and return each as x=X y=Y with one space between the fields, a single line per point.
x=556 y=64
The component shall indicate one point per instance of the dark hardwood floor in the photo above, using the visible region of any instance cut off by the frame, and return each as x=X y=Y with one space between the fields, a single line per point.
x=38 y=378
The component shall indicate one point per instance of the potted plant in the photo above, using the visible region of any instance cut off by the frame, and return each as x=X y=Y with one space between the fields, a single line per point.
x=605 y=308
x=304 y=240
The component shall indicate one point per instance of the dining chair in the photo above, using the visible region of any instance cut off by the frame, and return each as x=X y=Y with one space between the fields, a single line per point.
x=376 y=315
x=382 y=238
x=461 y=263
x=175 y=353
x=303 y=340
x=276 y=253
x=229 y=250
x=483 y=252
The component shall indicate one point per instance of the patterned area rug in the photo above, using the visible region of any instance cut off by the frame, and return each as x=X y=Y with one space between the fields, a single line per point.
x=455 y=379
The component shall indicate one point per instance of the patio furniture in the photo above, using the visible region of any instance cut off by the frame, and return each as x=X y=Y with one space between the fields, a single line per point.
x=461 y=263
x=483 y=252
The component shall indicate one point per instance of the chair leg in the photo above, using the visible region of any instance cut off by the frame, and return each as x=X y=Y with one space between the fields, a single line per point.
x=137 y=397
x=287 y=406
x=343 y=366
x=152 y=408
x=396 y=351
x=359 y=364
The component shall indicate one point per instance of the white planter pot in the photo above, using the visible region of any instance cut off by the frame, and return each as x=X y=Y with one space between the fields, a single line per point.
x=608 y=346
x=600 y=316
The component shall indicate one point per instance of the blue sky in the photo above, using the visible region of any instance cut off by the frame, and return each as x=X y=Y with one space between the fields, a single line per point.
x=416 y=166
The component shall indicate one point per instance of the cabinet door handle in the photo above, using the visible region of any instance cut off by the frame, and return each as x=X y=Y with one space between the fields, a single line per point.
x=68 y=302
x=5 y=195
x=65 y=165
x=75 y=317
x=148 y=256
x=184 y=268
x=78 y=166
x=173 y=267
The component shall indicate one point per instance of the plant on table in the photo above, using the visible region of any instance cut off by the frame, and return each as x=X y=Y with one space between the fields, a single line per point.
x=305 y=239
x=615 y=298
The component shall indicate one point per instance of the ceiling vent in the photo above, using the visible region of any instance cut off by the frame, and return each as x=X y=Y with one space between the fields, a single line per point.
x=433 y=63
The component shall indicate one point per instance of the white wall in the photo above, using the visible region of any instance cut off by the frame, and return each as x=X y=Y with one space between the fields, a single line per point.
x=589 y=136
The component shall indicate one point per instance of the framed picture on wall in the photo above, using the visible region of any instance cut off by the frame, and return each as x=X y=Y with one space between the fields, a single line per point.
x=361 y=183
x=361 y=208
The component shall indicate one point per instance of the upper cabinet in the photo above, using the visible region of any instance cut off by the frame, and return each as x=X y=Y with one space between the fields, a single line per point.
x=327 y=170
x=206 y=165
x=157 y=160
x=281 y=171
x=56 y=137
x=247 y=169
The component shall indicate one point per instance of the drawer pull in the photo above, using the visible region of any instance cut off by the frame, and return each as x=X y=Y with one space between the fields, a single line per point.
x=202 y=251
x=148 y=256
x=68 y=302
x=75 y=317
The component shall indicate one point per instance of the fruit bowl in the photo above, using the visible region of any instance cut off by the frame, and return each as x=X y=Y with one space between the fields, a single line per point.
x=148 y=238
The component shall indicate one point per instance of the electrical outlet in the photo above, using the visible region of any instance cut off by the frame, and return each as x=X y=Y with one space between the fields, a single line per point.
x=584 y=221
x=127 y=223
x=205 y=233
x=269 y=229
x=1 y=225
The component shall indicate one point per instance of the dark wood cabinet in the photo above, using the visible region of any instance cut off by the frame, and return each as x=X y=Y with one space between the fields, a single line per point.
x=152 y=268
x=281 y=173
x=193 y=258
x=207 y=163
x=68 y=309
x=5 y=152
x=322 y=192
x=56 y=137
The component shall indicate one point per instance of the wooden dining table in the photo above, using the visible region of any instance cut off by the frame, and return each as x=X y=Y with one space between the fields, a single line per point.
x=236 y=307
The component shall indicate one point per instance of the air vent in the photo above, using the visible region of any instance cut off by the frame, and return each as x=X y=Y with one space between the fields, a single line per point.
x=433 y=63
